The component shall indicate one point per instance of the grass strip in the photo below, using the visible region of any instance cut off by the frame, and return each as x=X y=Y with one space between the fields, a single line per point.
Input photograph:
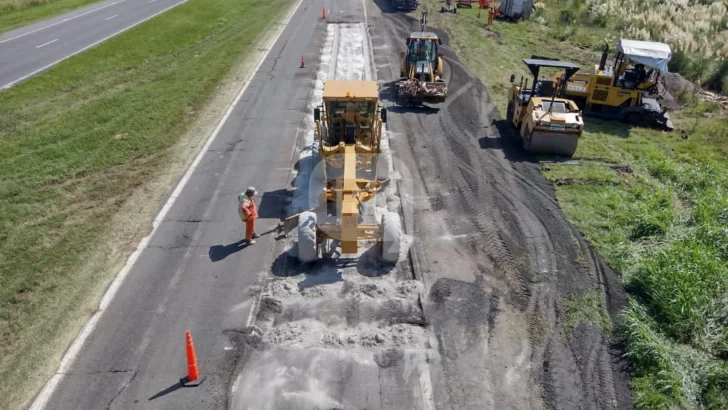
x=76 y=143
x=655 y=206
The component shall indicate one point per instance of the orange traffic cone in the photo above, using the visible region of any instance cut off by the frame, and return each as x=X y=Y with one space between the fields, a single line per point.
x=323 y=12
x=192 y=372
x=303 y=65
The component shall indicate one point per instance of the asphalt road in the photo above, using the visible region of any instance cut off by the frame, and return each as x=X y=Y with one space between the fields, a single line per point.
x=29 y=50
x=194 y=274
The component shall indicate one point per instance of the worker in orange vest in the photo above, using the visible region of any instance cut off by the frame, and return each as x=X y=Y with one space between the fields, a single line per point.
x=248 y=213
x=491 y=13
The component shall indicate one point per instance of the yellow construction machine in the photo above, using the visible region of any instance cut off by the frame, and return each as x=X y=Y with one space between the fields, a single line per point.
x=624 y=91
x=351 y=171
x=546 y=124
x=422 y=68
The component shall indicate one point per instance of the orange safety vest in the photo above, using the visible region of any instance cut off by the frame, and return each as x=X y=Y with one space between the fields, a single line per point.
x=247 y=209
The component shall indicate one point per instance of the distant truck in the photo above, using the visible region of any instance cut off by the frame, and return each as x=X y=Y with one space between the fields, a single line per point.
x=515 y=9
x=405 y=4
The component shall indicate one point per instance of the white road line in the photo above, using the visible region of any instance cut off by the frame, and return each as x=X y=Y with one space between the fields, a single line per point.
x=62 y=21
x=45 y=44
x=10 y=84
x=152 y=1
x=112 y=17
x=70 y=356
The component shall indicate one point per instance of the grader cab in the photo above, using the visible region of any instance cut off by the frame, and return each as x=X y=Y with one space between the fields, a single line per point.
x=351 y=172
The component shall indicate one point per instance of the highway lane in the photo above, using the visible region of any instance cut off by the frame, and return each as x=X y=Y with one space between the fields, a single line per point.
x=193 y=274
x=27 y=51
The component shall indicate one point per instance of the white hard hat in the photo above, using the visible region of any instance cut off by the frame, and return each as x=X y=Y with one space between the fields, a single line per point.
x=251 y=189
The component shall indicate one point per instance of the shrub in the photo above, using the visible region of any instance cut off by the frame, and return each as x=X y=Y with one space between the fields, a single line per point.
x=717 y=80
x=567 y=16
x=680 y=63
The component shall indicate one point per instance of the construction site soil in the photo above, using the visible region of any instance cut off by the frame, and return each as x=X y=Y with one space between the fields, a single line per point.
x=473 y=318
x=496 y=254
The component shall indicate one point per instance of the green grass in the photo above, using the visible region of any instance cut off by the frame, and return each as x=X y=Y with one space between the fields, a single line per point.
x=655 y=205
x=587 y=308
x=76 y=143
x=19 y=13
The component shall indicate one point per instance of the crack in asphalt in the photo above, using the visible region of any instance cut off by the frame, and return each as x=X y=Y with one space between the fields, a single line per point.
x=275 y=61
x=123 y=387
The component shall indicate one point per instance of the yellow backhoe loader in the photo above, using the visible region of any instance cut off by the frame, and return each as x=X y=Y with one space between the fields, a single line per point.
x=624 y=91
x=422 y=68
x=546 y=124
x=351 y=171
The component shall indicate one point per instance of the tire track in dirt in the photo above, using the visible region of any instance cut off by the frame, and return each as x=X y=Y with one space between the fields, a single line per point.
x=498 y=213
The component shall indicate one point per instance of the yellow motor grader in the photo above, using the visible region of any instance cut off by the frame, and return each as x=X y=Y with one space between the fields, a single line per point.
x=351 y=172
x=546 y=124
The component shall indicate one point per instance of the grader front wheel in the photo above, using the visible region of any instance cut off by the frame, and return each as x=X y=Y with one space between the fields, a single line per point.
x=307 y=250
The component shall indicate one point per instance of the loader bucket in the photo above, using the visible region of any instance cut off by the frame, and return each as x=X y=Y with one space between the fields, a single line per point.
x=421 y=91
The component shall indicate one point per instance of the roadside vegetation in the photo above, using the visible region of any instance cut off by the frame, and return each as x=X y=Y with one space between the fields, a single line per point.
x=90 y=140
x=18 y=13
x=654 y=204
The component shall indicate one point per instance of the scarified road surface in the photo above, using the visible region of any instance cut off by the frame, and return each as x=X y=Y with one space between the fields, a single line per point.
x=470 y=318
x=496 y=254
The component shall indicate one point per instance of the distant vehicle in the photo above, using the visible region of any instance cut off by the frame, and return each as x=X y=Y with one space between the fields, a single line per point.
x=405 y=4
x=515 y=9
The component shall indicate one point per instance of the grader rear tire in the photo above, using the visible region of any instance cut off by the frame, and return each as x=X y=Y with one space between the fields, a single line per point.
x=391 y=237
x=307 y=251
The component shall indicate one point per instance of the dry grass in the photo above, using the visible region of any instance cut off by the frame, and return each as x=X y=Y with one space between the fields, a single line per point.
x=691 y=26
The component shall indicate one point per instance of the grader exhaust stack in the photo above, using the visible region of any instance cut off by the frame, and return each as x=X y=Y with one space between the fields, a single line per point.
x=351 y=172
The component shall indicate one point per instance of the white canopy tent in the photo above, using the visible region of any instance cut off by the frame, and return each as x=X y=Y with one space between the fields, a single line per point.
x=650 y=53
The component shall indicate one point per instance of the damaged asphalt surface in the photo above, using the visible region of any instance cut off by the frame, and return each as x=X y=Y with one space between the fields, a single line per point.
x=471 y=318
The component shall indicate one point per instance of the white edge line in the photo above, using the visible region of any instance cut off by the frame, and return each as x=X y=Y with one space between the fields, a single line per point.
x=68 y=358
x=112 y=17
x=45 y=44
x=10 y=84
x=59 y=22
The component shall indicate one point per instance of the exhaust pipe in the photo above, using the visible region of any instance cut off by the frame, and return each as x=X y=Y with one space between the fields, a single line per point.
x=603 y=61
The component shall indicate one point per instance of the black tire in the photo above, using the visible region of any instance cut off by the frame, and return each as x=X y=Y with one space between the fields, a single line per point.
x=526 y=137
x=509 y=114
x=633 y=118
x=391 y=237
x=307 y=251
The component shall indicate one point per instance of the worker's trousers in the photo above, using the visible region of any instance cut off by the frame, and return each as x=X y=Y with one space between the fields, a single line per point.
x=249 y=229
